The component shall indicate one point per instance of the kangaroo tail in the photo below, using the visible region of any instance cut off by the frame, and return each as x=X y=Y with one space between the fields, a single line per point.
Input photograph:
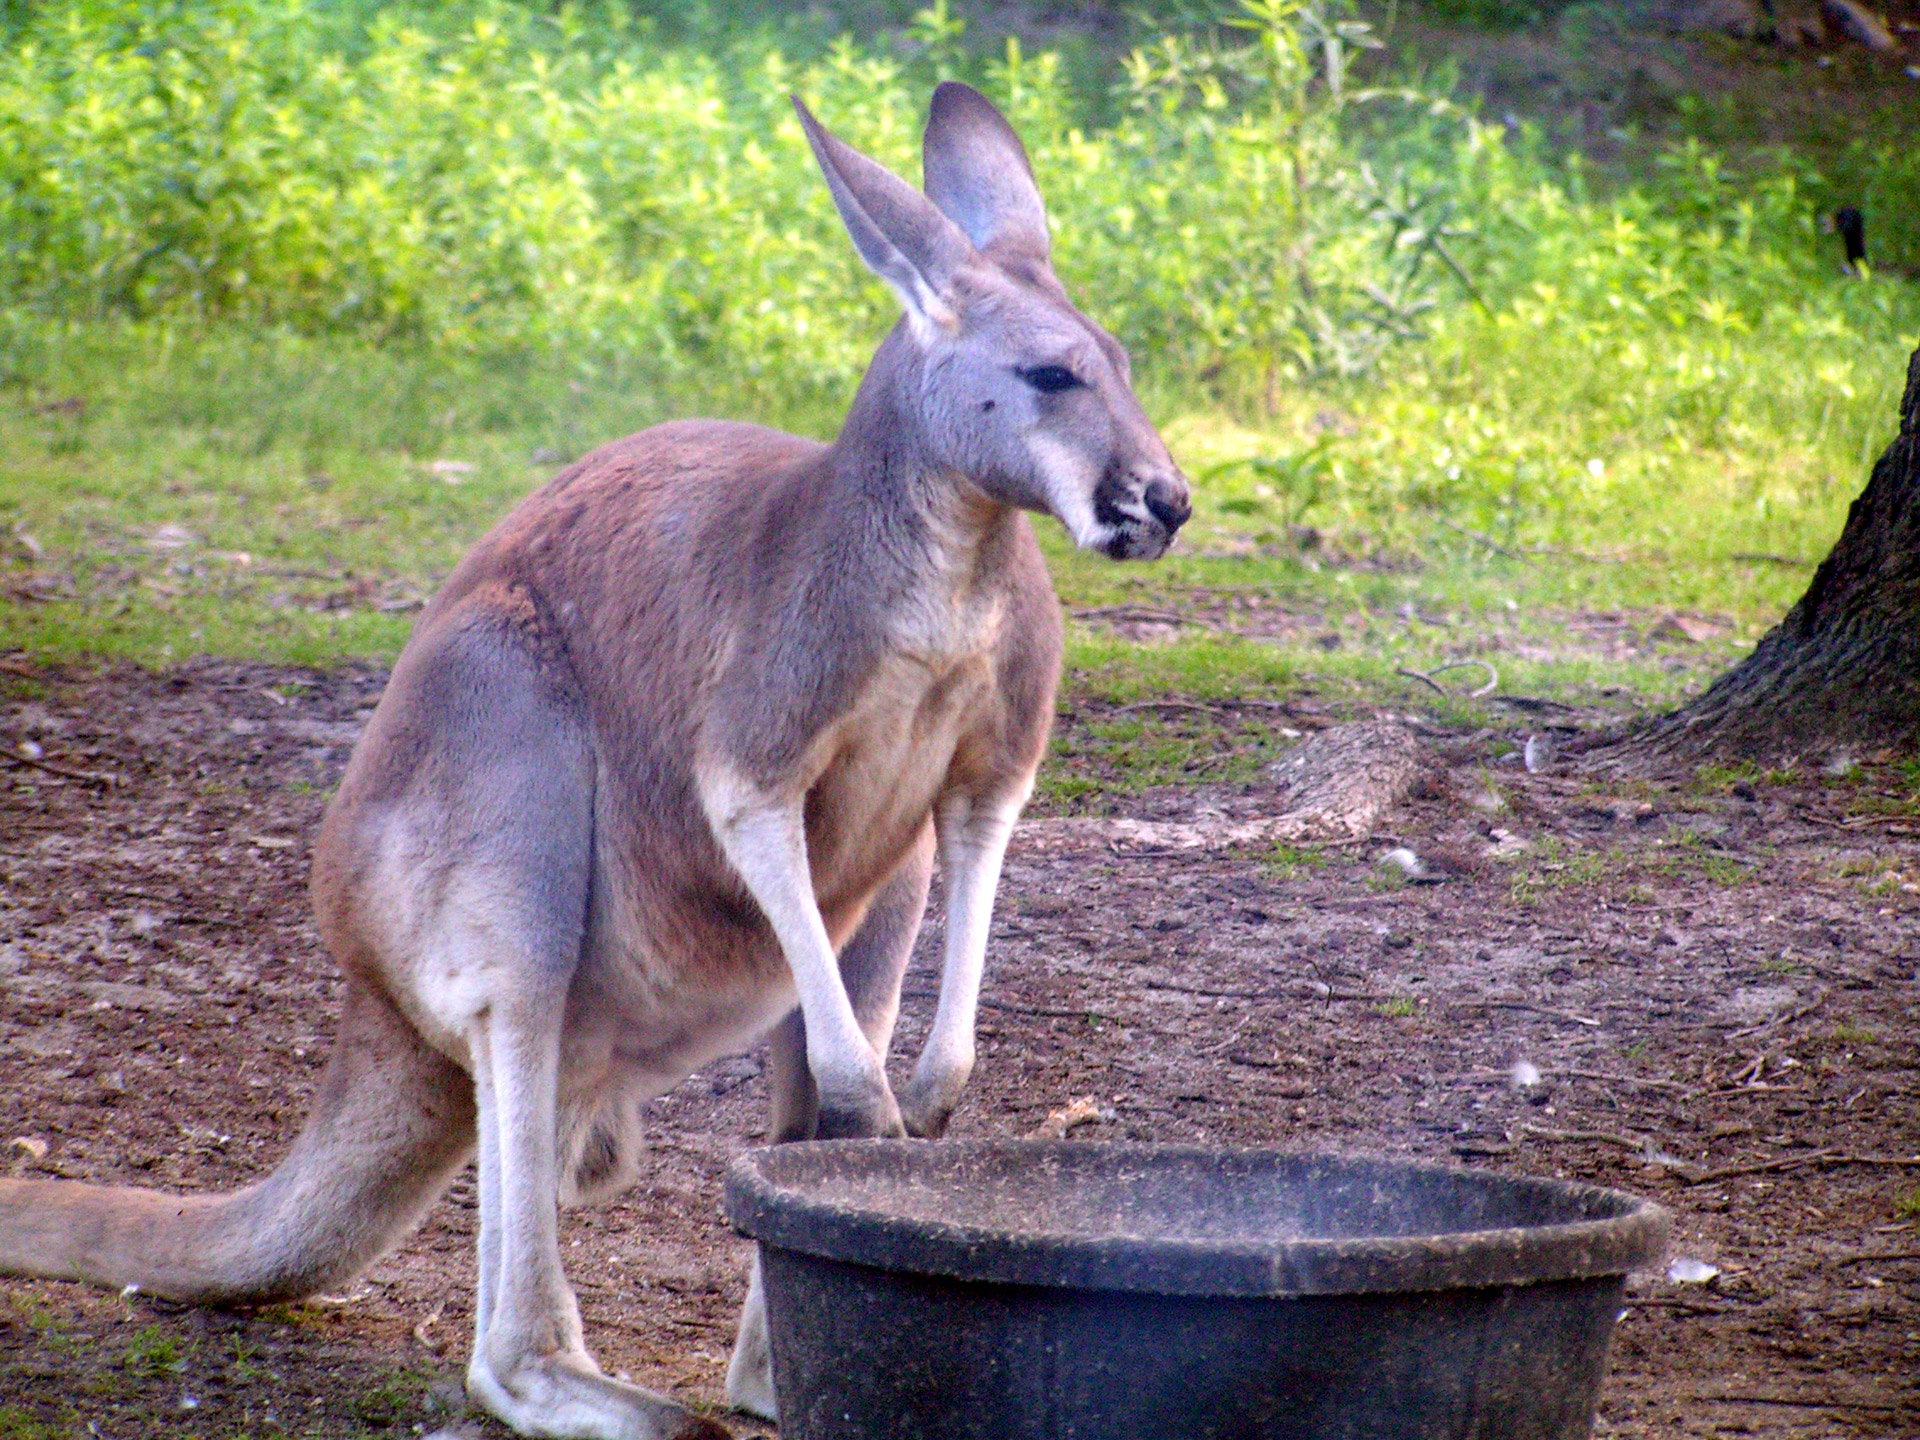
x=391 y=1123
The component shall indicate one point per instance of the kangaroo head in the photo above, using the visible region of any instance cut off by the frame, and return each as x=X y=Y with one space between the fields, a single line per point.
x=1014 y=388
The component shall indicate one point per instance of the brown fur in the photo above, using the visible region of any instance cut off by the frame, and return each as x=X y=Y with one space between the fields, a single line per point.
x=668 y=753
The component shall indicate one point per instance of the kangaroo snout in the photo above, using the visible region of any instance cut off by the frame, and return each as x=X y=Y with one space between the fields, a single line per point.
x=1140 y=513
x=1170 y=502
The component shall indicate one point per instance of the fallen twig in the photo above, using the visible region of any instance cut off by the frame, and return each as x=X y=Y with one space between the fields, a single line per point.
x=1602 y=1075
x=1638 y=1145
x=1141 y=612
x=1486 y=540
x=1506 y=1077
x=1749 y=1073
x=1883 y=1255
x=1761 y=1167
x=1783 y=1019
x=1045 y=1012
x=86 y=777
x=1568 y=1015
x=1426 y=677
x=1649 y=1152
x=1857 y=822
x=420 y=1331
x=1318 y=989
x=1528 y=552
x=1799 y=1404
x=1168 y=705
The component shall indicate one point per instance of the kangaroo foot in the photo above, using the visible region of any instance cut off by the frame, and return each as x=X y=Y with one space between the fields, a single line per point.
x=563 y=1396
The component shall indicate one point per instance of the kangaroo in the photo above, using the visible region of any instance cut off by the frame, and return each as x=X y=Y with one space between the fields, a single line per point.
x=665 y=767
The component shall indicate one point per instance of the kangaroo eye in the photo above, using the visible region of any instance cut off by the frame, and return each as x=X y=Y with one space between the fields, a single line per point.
x=1049 y=379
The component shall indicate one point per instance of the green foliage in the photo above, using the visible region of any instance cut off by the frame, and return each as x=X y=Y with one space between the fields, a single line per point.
x=491 y=180
x=265 y=264
x=154 y=1354
x=1290 y=255
x=19 y=1424
x=1497 y=14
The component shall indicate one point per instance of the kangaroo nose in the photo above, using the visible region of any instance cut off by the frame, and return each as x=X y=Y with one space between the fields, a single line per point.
x=1169 y=502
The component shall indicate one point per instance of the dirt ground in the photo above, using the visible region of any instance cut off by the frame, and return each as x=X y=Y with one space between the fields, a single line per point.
x=1714 y=977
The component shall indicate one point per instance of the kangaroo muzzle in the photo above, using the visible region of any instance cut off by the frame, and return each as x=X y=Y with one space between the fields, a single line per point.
x=1141 y=516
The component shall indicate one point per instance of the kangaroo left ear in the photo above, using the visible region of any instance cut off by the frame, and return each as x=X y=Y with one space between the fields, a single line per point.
x=977 y=173
x=902 y=237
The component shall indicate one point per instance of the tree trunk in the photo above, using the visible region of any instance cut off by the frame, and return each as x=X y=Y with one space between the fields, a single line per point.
x=1842 y=671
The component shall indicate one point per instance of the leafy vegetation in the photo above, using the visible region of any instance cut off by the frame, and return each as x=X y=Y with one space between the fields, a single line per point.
x=296 y=299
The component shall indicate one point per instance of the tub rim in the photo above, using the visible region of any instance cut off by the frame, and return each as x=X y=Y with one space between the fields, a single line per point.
x=766 y=1200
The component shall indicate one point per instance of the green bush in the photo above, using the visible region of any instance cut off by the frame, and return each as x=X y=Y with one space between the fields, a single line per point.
x=503 y=180
x=335 y=227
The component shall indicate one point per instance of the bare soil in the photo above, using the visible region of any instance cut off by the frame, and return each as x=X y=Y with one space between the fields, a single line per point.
x=1713 y=975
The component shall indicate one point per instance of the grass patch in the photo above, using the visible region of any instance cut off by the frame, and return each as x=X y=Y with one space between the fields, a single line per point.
x=154 y=1354
x=1291 y=862
x=1659 y=405
x=19 y=1424
x=1742 y=778
x=398 y=1398
x=1552 y=866
x=1100 y=753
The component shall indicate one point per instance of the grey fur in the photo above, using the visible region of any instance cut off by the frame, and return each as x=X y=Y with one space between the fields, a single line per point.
x=671 y=749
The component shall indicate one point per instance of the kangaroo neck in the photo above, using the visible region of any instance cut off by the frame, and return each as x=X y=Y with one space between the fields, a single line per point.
x=927 y=519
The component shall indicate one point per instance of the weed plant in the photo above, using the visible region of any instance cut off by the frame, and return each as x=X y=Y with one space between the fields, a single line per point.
x=296 y=299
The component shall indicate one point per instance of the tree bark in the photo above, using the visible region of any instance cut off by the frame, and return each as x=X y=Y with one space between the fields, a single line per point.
x=1842 y=671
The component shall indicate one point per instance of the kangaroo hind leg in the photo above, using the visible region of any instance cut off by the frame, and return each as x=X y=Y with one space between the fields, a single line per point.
x=485 y=796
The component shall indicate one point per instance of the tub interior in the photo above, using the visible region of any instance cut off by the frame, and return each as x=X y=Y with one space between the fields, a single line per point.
x=1106 y=1193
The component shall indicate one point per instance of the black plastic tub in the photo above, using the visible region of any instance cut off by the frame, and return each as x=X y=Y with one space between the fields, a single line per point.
x=1001 y=1290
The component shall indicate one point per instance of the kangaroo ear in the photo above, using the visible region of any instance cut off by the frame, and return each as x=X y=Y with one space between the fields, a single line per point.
x=903 y=239
x=977 y=173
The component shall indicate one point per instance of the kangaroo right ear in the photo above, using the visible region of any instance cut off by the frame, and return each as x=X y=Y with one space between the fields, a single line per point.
x=898 y=232
x=977 y=172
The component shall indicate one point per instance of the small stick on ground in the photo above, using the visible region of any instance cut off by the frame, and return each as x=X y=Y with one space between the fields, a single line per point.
x=1761 y=1167
x=1426 y=677
x=84 y=776
x=1883 y=1255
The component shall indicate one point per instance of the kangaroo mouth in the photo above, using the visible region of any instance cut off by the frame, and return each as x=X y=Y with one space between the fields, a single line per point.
x=1139 y=523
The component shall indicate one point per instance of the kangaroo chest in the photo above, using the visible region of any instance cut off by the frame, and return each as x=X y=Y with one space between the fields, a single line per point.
x=917 y=727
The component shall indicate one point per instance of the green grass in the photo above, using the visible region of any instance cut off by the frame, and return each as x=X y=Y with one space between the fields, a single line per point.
x=153 y=1354
x=1660 y=404
x=18 y=1424
x=1290 y=862
x=278 y=497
